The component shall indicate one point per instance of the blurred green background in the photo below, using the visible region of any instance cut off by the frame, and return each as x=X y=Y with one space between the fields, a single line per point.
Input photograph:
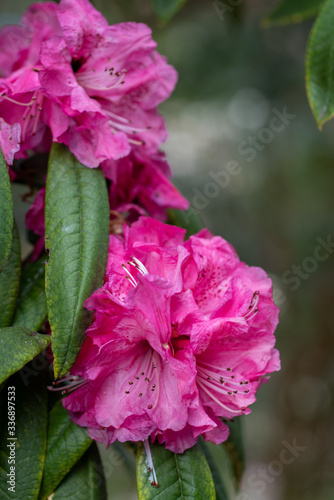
x=234 y=77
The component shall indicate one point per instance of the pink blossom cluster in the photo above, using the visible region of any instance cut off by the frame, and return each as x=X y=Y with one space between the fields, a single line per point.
x=69 y=77
x=183 y=332
x=182 y=337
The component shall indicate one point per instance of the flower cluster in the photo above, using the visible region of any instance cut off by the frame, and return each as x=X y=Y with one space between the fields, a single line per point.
x=182 y=337
x=78 y=81
x=69 y=77
x=183 y=332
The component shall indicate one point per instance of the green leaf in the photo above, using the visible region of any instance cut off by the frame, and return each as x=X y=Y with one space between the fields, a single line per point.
x=236 y=448
x=77 y=235
x=6 y=213
x=18 y=346
x=66 y=444
x=185 y=476
x=166 y=9
x=222 y=492
x=10 y=281
x=187 y=219
x=31 y=308
x=85 y=481
x=30 y=431
x=293 y=11
x=128 y=452
x=320 y=65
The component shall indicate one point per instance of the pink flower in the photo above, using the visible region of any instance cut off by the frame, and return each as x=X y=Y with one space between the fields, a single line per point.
x=73 y=79
x=231 y=321
x=135 y=383
x=9 y=140
x=140 y=185
x=21 y=99
x=182 y=337
x=20 y=45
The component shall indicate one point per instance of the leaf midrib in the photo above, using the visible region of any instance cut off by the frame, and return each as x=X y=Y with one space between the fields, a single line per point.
x=69 y=337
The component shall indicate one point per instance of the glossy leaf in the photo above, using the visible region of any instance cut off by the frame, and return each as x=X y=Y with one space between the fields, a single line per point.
x=320 y=65
x=188 y=219
x=293 y=11
x=31 y=308
x=18 y=346
x=85 y=481
x=30 y=431
x=235 y=447
x=10 y=281
x=185 y=475
x=6 y=213
x=222 y=492
x=166 y=9
x=127 y=451
x=67 y=442
x=77 y=235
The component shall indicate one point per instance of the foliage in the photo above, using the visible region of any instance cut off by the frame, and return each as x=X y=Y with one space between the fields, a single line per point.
x=319 y=57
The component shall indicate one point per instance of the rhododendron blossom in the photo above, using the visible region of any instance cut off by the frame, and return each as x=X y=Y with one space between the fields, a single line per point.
x=140 y=185
x=182 y=337
x=71 y=78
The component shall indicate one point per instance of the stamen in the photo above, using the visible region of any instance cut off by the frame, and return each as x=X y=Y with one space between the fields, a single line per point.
x=252 y=309
x=33 y=111
x=126 y=128
x=120 y=118
x=202 y=386
x=130 y=277
x=96 y=81
x=218 y=368
x=24 y=104
x=151 y=469
x=226 y=380
x=38 y=114
x=147 y=371
x=138 y=265
x=68 y=384
x=214 y=384
x=137 y=143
